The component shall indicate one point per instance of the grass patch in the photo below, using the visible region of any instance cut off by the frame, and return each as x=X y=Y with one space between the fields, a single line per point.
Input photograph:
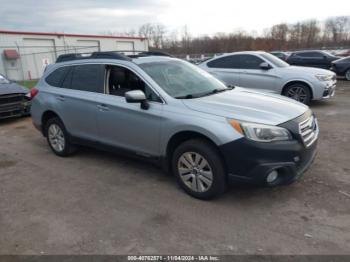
x=28 y=83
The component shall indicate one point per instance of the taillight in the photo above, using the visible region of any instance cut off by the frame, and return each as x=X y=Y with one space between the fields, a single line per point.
x=33 y=92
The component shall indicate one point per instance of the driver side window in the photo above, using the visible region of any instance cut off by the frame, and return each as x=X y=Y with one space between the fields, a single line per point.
x=121 y=80
x=250 y=62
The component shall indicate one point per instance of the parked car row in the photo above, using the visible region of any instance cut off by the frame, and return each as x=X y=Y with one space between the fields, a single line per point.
x=319 y=59
x=176 y=114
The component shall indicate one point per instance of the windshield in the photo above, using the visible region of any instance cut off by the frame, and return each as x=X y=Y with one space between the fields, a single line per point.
x=3 y=80
x=274 y=60
x=181 y=79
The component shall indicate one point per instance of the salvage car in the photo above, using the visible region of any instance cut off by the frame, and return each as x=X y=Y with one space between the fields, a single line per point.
x=173 y=113
x=266 y=73
x=14 y=99
x=342 y=67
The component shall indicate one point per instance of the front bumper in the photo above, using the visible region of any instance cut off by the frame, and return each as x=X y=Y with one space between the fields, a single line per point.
x=15 y=109
x=251 y=161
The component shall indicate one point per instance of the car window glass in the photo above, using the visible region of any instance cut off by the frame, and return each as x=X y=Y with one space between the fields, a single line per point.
x=122 y=80
x=88 y=78
x=225 y=62
x=56 y=77
x=181 y=79
x=303 y=54
x=311 y=54
x=250 y=62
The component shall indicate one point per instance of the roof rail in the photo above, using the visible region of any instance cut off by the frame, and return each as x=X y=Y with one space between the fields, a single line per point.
x=94 y=55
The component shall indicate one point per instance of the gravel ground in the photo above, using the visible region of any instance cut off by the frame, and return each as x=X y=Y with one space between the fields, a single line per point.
x=99 y=203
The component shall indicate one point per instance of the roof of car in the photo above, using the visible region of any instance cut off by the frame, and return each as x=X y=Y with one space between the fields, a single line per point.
x=150 y=59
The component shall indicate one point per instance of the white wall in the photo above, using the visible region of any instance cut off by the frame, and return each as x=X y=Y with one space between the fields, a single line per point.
x=37 y=50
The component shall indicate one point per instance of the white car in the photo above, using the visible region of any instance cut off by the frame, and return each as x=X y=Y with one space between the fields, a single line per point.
x=265 y=72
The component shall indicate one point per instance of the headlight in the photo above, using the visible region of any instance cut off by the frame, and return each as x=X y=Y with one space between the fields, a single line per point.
x=261 y=133
x=324 y=77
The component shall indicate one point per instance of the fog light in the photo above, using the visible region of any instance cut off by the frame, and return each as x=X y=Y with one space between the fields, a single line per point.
x=272 y=177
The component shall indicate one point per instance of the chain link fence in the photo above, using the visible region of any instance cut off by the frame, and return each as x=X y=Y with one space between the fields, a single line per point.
x=31 y=61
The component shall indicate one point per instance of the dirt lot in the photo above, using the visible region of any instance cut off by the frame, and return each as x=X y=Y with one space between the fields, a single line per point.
x=96 y=202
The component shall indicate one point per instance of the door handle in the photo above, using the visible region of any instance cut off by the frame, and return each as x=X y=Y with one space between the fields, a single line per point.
x=103 y=107
x=61 y=98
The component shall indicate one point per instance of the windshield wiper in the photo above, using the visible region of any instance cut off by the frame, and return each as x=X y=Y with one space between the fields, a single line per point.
x=218 y=90
x=185 y=97
x=215 y=91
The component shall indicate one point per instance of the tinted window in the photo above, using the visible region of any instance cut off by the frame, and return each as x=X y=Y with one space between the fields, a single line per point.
x=57 y=76
x=87 y=78
x=250 y=62
x=225 y=62
x=311 y=54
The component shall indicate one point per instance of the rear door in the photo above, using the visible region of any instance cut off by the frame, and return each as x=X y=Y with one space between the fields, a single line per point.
x=226 y=69
x=77 y=104
x=252 y=76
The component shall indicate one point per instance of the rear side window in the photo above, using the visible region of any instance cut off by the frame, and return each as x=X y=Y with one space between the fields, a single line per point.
x=225 y=62
x=56 y=77
x=311 y=54
x=88 y=78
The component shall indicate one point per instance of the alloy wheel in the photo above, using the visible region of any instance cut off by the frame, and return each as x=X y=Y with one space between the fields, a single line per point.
x=56 y=138
x=297 y=93
x=195 y=172
x=347 y=75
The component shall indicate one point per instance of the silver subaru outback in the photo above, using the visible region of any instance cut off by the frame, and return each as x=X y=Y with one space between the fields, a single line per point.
x=174 y=113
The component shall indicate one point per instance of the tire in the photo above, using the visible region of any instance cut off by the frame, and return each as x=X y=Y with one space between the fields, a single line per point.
x=347 y=75
x=206 y=160
x=299 y=92
x=57 y=138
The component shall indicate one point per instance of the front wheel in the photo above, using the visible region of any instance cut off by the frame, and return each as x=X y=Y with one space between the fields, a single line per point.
x=199 y=169
x=347 y=75
x=298 y=92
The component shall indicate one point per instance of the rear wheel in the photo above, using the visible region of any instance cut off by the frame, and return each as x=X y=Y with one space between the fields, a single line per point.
x=57 y=137
x=199 y=169
x=347 y=75
x=299 y=92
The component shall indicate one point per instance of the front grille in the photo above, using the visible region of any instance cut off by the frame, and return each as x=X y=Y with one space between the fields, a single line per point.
x=308 y=130
x=9 y=99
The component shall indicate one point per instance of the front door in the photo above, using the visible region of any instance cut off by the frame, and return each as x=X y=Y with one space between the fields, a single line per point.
x=127 y=125
x=252 y=76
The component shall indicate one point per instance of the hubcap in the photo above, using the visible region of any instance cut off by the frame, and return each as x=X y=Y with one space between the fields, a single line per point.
x=297 y=93
x=195 y=171
x=347 y=75
x=56 y=138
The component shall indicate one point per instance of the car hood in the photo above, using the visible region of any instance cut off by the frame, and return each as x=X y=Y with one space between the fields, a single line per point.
x=311 y=70
x=251 y=106
x=12 y=88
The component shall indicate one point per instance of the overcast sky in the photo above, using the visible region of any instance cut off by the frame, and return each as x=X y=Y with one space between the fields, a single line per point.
x=201 y=17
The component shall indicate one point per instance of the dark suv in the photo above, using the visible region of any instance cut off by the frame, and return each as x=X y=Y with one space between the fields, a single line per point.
x=318 y=59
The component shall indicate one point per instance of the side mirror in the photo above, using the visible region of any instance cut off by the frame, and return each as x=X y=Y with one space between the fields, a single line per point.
x=137 y=96
x=265 y=66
